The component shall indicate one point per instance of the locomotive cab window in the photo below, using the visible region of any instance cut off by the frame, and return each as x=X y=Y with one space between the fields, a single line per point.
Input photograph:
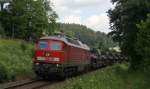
x=55 y=45
x=43 y=45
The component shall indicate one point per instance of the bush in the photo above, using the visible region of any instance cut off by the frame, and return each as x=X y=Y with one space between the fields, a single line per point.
x=16 y=58
x=2 y=32
x=115 y=77
x=143 y=43
x=23 y=45
x=3 y=73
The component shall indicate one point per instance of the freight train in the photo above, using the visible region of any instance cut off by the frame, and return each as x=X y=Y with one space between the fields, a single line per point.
x=62 y=56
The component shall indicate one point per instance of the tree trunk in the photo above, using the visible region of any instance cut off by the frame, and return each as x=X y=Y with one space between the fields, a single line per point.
x=2 y=6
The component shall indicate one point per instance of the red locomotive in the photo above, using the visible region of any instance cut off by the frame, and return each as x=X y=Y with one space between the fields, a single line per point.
x=60 y=56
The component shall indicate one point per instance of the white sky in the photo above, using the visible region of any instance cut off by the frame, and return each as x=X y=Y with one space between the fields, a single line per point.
x=91 y=13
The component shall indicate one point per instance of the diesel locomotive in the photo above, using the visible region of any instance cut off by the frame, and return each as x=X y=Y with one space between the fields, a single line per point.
x=60 y=56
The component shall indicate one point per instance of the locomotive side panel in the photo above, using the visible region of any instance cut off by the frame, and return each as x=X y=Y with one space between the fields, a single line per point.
x=77 y=56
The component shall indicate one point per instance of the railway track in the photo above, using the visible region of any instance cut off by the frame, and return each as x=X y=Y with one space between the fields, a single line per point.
x=27 y=84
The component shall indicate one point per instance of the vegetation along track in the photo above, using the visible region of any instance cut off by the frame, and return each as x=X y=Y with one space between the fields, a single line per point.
x=27 y=84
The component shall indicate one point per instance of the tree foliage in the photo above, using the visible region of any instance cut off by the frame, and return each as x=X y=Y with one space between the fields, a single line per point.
x=91 y=38
x=2 y=33
x=143 y=42
x=123 y=20
x=28 y=19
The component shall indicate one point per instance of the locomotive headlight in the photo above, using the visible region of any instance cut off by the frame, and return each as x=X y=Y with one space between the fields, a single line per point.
x=36 y=63
x=40 y=58
x=56 y=59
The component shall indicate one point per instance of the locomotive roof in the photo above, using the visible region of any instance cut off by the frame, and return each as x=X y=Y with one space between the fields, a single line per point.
x=69 y=41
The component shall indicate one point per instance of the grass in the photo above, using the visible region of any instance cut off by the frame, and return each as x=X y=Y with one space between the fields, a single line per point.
x=115 y=77
x=15 y=59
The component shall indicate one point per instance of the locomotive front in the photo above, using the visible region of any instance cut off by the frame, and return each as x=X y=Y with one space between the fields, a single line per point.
x=49 y=57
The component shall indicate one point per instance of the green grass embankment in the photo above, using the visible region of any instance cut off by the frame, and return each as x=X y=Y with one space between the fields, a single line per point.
x=115 y=77
x=15 y=59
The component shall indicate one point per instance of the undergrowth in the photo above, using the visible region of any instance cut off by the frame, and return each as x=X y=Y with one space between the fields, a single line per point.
x=114 y=77
x=15 y=59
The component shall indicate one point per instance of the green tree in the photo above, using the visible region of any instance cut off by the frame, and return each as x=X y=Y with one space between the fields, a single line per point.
x=123 y=20
x=22 y=19
x=87 y=36
x=2 y=33
x=143 y=42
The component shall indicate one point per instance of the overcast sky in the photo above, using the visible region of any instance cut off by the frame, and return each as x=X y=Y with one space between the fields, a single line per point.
x=91 y=13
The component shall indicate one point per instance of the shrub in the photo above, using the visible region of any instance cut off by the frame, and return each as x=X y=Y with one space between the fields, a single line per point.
x=2 y=32
x=23 y=45
x=15 y=56
x=3 y=73
x=143 y=43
